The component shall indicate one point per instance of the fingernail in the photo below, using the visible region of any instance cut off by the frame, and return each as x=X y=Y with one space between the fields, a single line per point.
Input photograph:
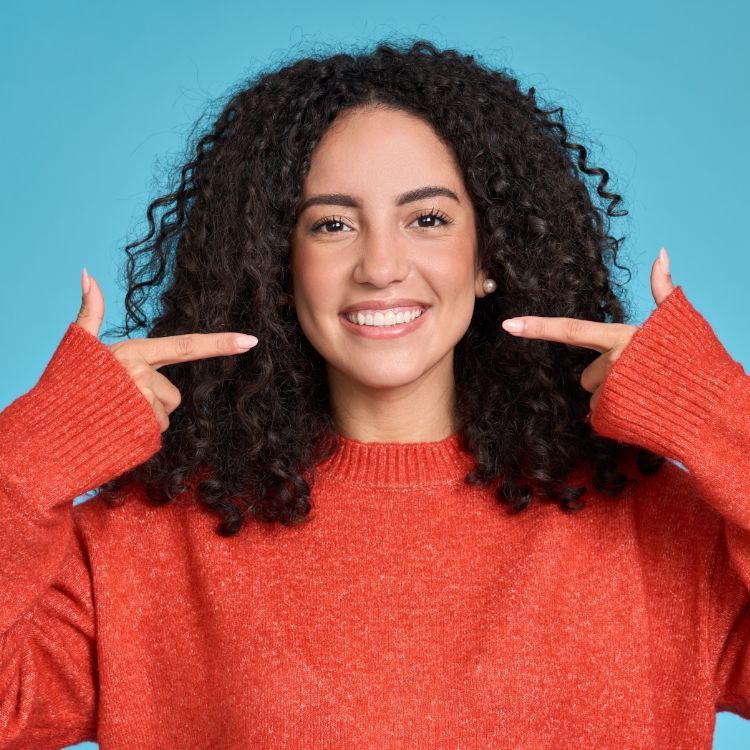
x=245 y=342
x=513 y=324
x=664 y=260
x=85 y=282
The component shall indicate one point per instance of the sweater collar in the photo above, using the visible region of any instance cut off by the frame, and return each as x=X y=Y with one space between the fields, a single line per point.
x=398 y=465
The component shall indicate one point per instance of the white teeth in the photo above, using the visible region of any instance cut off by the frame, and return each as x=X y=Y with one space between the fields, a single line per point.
x=388 y=318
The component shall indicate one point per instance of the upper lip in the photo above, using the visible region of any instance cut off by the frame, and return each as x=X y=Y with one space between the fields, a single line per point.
x=383 y=304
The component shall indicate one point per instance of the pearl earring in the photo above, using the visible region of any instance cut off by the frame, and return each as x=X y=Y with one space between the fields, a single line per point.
x=489 y=286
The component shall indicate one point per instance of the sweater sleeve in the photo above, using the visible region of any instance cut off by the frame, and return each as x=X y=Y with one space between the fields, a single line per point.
x=675 y=390
x=84 y=423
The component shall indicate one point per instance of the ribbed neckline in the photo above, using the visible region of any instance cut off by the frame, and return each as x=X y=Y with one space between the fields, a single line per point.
x=398 y=465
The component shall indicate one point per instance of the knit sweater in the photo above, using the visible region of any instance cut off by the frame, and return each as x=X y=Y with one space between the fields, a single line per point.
x=413 y=611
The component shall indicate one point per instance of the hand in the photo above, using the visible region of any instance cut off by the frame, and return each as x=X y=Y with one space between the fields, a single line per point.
x=143 y=357
x=608 y=338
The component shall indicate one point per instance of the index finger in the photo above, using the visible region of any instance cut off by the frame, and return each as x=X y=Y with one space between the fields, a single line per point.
x=589 y=333
x=186 y=347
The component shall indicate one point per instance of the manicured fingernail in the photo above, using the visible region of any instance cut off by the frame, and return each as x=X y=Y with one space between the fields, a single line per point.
x=85 y=281
x=245 y=342
x=664 y=260
x=513 y=324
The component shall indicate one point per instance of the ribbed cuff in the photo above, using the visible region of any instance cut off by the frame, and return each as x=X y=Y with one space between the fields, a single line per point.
x=84 y=423
x=661 y=393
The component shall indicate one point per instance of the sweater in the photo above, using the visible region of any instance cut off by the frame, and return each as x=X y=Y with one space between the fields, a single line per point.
x=413 y=611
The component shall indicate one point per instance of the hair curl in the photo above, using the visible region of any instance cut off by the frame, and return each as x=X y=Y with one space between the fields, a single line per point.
x=219 y=261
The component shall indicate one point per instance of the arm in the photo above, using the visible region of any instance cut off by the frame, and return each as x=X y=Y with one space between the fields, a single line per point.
x=84 y=423
x=676 y=391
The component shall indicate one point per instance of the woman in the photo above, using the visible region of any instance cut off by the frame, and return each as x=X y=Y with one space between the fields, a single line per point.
x=374 y=222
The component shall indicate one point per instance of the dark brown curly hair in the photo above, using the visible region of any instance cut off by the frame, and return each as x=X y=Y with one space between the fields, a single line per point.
x=253 y=427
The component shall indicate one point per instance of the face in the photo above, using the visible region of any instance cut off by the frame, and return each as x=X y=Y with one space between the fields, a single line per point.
x=372 y=242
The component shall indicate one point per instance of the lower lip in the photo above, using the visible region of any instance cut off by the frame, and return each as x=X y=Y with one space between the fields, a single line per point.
x=384 y=332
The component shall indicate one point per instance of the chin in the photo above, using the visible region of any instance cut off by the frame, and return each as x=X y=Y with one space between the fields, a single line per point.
x=386 y=376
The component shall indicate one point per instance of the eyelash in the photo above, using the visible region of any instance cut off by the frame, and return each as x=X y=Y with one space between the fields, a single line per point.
x=432 y=212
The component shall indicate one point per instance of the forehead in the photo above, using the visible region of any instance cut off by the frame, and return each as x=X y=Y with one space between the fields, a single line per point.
x=380 y=152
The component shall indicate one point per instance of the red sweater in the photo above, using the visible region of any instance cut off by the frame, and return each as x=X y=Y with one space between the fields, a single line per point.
x=412 y=612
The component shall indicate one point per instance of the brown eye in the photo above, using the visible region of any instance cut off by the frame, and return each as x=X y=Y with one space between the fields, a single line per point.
x=433 y=214
x=326 y=222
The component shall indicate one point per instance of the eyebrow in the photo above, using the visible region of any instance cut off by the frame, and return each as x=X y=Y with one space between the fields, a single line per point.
x=341 y=199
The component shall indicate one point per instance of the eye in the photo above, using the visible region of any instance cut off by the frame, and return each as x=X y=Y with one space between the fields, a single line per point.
x=325 y=222
x=434 y=213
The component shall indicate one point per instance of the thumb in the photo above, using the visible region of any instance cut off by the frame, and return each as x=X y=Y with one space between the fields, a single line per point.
x=661 y=278
x=91 y=314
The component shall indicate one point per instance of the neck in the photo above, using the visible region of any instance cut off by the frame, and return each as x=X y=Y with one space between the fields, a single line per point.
x=421 y=411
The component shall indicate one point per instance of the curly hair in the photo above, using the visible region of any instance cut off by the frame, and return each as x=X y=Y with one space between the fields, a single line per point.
x=251 y=429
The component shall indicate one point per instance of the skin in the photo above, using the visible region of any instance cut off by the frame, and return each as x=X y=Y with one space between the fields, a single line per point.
x=400 y=389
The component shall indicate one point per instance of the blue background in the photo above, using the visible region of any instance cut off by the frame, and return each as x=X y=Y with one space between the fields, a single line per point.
x=97 y=99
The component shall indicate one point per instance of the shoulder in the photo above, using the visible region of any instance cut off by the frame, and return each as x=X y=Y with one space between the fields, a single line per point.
x=670 y=517
x=135 y=522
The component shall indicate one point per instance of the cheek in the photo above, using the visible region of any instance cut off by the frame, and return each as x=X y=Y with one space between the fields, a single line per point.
x=452 y=274
x=459 y=316
x=452 y=257
x=315 y=281
x=318 y=285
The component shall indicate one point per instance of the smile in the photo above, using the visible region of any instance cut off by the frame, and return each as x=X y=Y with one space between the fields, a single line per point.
x=380 y=324
x=384 y=317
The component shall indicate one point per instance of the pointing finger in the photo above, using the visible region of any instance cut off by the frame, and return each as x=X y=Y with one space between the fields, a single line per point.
x=589 y=333
x=186 y=347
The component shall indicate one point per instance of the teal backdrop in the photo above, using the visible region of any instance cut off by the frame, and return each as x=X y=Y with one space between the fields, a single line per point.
x=98 y=98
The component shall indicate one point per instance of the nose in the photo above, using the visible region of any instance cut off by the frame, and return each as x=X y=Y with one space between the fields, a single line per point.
x=382 y=259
